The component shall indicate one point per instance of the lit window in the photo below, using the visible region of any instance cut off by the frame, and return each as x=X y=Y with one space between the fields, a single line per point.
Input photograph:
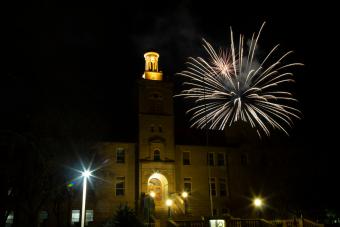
x=120 y=186
x=211 y=160
x=75 y=216
x=156 y=155
x=89 y=216
x=220 y=159
x=186 y=158
x=120 y=155
x=223 y=187
x=187 y=185
x=212 y=187
x=217 y=223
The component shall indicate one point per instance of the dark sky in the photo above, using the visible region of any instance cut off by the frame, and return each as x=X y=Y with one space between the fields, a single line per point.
x=73 y=71
x=86 y=61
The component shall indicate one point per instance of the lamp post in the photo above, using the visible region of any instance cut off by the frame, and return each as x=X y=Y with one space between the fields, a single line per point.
x=85 y=174
x=258 y=203
x=169 y=204
x=185 y=197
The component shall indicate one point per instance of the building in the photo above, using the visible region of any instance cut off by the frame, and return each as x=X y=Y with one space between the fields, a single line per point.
x=212 y=177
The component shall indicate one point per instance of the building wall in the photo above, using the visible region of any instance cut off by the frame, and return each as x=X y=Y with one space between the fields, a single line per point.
x=198 y=171
x=105 y=194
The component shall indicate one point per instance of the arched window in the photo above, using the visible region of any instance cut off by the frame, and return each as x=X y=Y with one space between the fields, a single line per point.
x=156 y=155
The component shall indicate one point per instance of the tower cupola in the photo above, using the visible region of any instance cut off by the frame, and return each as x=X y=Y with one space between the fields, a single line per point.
x=151 y=67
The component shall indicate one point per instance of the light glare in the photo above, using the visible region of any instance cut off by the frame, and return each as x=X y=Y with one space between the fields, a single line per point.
x=168 y=202
x=86 y=173
x=258 y=202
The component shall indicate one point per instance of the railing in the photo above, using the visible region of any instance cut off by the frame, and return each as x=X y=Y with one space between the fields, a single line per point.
x=287 y=223
x=300 y=222
x=248 y=223
x=309 y=223
x=236 y=222
x=183 y=223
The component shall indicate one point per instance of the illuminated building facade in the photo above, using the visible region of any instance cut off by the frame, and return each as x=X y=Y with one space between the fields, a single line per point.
x=156 y=166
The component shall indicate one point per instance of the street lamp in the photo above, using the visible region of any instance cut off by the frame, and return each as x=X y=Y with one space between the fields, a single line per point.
x=85 y=174
x=185 y=196
x=258 y=203
x=169 y=204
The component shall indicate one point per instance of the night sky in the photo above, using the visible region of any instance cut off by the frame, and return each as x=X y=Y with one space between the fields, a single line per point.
x=73 y=72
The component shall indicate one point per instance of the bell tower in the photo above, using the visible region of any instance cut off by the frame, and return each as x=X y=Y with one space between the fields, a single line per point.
x=151 y=67
x=155 y=112
x=156 y=131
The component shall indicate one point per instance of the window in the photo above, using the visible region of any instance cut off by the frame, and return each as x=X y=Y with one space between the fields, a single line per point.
x=75 y=216
x=156 y=155
x=244 y=159
x=120 y=186
x=211 y=160
x=220 y=159
x=156 y=96
x=120 y=155
x=223 y=187
x=152 y=128
x=212 y=186
x=43 y=215
x=186 y=158
x=156 y=102
x=187 y=185
x=89 y=216
x=10 y=218
x=160 y=129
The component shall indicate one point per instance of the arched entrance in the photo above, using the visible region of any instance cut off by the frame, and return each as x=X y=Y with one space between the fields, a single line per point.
x=159 y=185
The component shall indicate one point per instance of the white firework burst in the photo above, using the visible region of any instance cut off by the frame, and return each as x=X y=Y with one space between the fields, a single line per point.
x=231 y=86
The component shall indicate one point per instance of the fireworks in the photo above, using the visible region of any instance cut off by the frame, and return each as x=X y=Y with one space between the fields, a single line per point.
x=233 y=85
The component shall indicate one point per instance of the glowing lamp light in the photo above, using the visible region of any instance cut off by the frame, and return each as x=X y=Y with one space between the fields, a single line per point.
x=152 y=194
x=168 y=202
x=257 y=202
x=184 y=194
x=86 y=173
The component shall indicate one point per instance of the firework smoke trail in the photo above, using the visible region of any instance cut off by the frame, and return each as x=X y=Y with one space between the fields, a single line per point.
x=229 y=86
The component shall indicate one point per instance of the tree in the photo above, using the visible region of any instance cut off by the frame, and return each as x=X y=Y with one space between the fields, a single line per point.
x=31 y=176
x=124 y=216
